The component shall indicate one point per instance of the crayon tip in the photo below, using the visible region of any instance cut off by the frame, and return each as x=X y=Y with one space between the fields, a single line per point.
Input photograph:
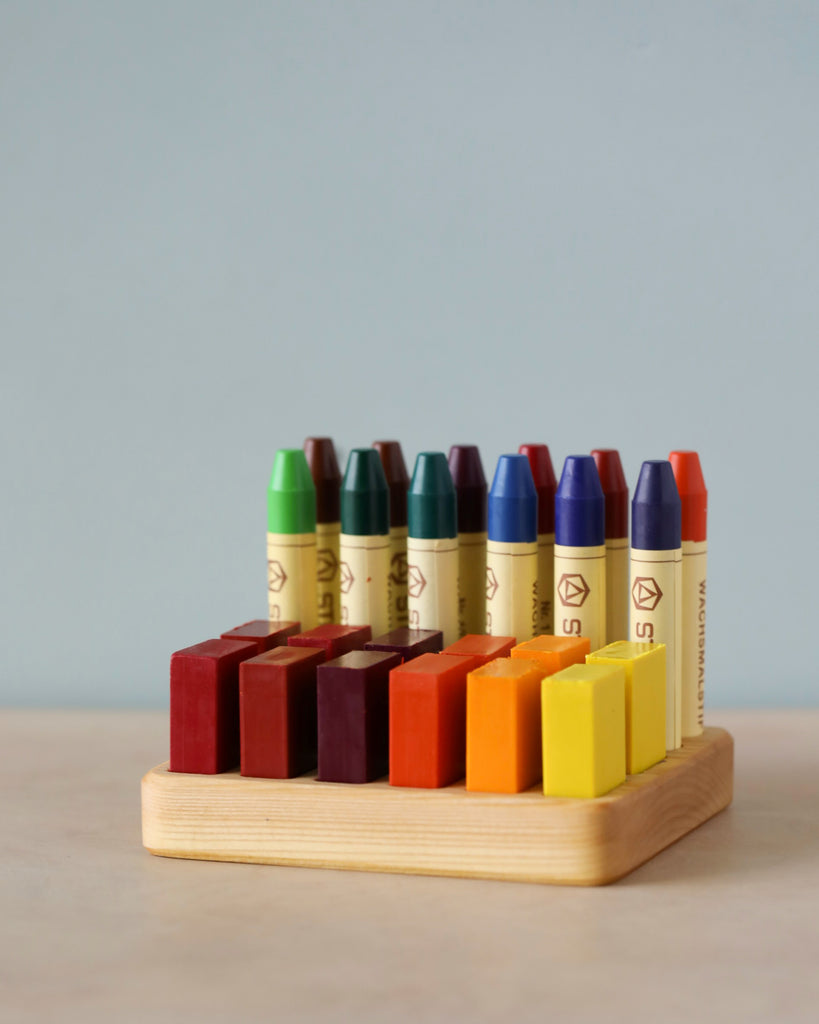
x=540 y=462
x=395 y=470
x=291 y=496
x=615 y=490
x=512 y=504
x=470 y=486
x=431 y=498
x=656 y=510
x=579 y=504
x=693 y=494
x=320 y=453
x=365 y=499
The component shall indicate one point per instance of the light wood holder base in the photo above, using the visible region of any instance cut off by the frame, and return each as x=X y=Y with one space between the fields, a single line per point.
x=378 y=827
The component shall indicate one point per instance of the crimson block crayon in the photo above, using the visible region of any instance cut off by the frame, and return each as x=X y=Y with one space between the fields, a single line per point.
x=512 y=607
x=540 y=462
x=615 y=493
x=320 y=453
x=365 y=542
x=205 y=706
x=694 y=498
x=395 y=471
x=656 y=579
x=481 y=647
x=432 y=547
x=470 y=488
x=333 y=639
x=409 y=643
x=264 y=633
x=580 y=552
x=291 y=539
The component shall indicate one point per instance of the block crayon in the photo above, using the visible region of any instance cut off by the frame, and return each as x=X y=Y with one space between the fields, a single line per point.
x=503 y=726
x=428 y=721
x=365 y=542
x=540 y=462
x=580 y=552
x=333 y=639
x=656 y=579
x=470 y=488
x=395 y=471
x=205 y=706
x=432 y=547
x=264 y=633
x=320 y=453
x=512 y=607
x=483 y=648
x=353 y=716
x=277 y=712
x=409 y=643
x=584 y=730
x=291 y=540
x=615 y=495
x=694 y=498
x=554 y=653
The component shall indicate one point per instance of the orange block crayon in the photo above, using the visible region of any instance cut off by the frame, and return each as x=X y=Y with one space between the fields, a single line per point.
x=428 y=720
x=503 y=726
x=553 y=653
x=484 y=648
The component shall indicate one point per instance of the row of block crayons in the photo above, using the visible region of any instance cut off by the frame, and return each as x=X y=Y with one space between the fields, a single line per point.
x=501 y=714
x=528 y=556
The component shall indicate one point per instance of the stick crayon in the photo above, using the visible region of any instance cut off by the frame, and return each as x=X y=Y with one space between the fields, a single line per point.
x=580 y=552
x=432 y=547
x=694 y=498
x=511 y=551
x=615 y=493
x=540 y=462
x=320 y=453
x=291 y=540
x=470 y=488
x=656 y=579
x=392 y=461
x=365 y=542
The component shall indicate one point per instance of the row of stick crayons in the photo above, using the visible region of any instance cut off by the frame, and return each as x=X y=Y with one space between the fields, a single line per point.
x=528 y=556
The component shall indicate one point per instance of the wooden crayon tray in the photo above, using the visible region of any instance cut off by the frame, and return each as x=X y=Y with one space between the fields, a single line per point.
x=378 y=827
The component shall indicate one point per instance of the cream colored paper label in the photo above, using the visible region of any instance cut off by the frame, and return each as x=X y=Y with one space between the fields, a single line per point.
x=364 y=568
x=471 y=583
x=432 y=585
x=656 y=617
x=617 y=598
x=546 y=582
x=397 y=580
x=327 y=538
x=291 y=578
x=694 y=559
x=580 y=593
x=512 y=607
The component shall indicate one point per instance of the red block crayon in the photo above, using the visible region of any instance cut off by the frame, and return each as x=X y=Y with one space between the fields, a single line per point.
x=333 y=639
x=409 y=643
x=484 y=648
x=265 y=633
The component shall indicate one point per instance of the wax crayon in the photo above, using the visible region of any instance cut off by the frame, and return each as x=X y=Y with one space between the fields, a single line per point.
x=540 y=462
x=264 y=633
x=409 y=643
x=277 y=712
x=484 y=648
x=432 y=547
x=470 y=488
x=553 y=653
x=320 y=453
x=656 y=579
x=615 y=493
x=395 y=471
x=365 y=542
x=291 y=540
x=694 y=498
x=511 y=551
x=580 y=552
x=333 y=639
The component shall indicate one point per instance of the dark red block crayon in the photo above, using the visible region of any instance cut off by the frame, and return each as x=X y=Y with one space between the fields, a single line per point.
x=353 y=716
x=333 y=639
x=205 y=706
x=277 y=712
x=265 y=633
x=392 y=459
x=409 y=643
x=540 y=462
x=320 y=453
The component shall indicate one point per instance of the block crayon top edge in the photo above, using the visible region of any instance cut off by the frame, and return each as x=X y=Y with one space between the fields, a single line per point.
x=512 y=502
x=543 y=474
x=480 y=645
x=397 y=477
x=436 y=665
x=470 y=487
x=405 y=640
x=320 y=453
x=216 y=648
x=579 y=505
x=333 y=638
x=291 y=496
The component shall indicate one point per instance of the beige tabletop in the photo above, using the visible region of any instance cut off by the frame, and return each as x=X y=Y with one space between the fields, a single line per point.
x=722 y=926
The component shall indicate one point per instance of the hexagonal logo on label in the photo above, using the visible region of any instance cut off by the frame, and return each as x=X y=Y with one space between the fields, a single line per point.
x=327 y=565
x=572 y=590
x=276 y=577
x=415 y=581
x=491 y=583
x=346 y=577
x=646 y=593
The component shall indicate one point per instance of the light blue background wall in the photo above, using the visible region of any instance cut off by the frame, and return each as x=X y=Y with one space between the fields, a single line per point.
x=226 y=226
